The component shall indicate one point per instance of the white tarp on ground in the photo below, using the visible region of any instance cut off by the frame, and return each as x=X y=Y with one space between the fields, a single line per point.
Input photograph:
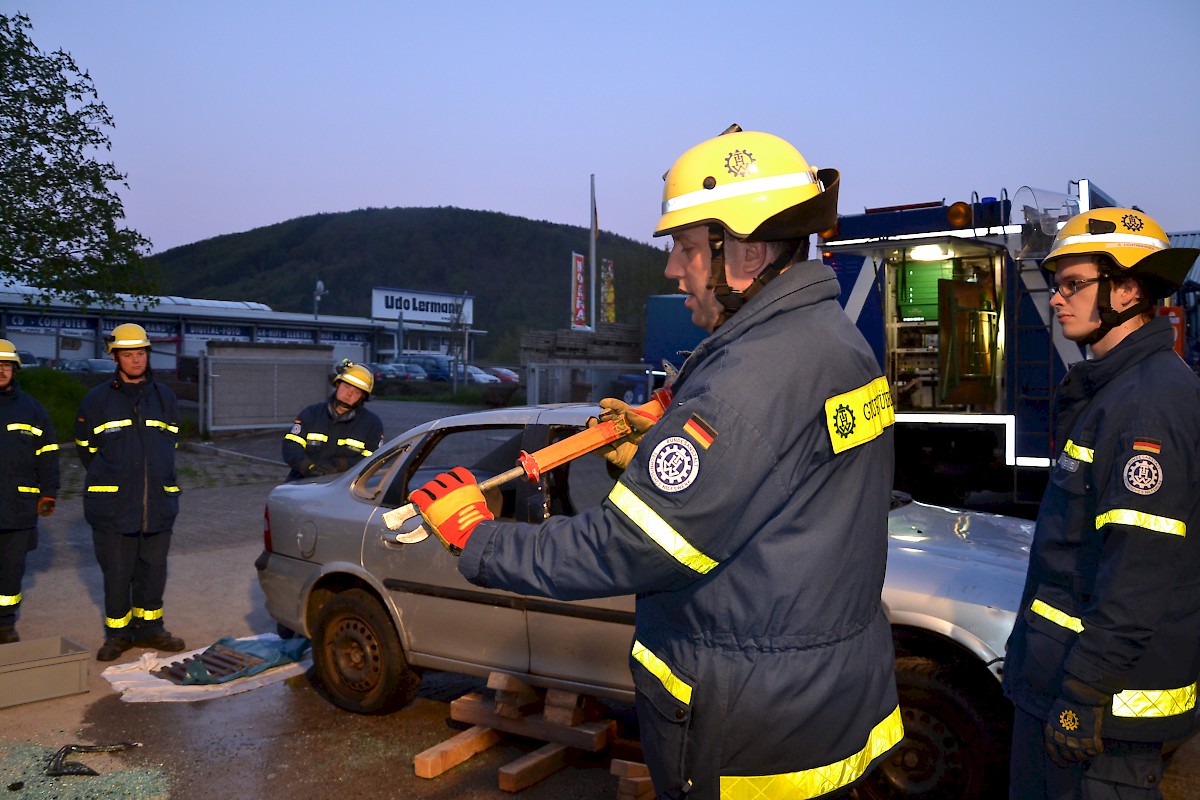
x=137 y=685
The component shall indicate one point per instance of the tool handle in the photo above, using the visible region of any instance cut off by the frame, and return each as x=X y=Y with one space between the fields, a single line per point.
x=533 y=464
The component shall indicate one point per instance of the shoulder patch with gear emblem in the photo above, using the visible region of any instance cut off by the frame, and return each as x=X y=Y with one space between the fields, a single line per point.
x=674 y=464
x=1143 y=474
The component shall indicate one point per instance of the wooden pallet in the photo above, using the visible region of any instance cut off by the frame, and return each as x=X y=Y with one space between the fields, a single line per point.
x=562 y=719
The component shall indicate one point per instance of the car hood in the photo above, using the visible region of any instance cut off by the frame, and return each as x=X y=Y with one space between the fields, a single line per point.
x=956 y=554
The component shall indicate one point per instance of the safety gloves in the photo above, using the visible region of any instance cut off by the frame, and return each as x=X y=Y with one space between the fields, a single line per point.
x=621 y=452
x=1073 y=727
x=452 y=505
x=45 y=506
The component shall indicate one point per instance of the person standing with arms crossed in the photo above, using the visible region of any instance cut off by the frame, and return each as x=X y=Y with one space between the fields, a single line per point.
x=1103 y=659
x=126 y=433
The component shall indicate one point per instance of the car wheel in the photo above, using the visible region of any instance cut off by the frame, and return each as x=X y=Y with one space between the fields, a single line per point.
x=357 y=657
x=955 y=744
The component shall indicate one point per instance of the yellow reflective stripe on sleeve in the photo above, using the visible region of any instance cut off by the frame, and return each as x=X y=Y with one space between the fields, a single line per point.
x=116 y=423
x=366 y=453
x=680 y=689
x=355 y=443
x=1154 y=702
x=1078 y=453
x=171 y=489
x=817 y=781
x=166 y=426
x=1060 y=618
x=103 y=489
x=296 y=439
x=29 y=489
x=657 y=529
x=317 y=437
x=112 y=622
x=142 y=613
x=82 y=442
x=50 y=448
x=10 y=599
x=858 y=416
x=1140 y=519
x=22 y=426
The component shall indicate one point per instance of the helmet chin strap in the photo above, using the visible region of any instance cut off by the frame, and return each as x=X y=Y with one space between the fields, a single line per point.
x=731 y=299
x=1110 y=317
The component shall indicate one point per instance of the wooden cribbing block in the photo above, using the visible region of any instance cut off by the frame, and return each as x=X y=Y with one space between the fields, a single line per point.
x=563 y=708
x=454 y=751
x=635 y=789
x=529 y=769
x=590 y=736
x=514 y=697
x=628 y=769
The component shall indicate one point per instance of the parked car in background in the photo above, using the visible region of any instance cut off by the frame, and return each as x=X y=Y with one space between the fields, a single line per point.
x=27 y=359
x=437 y=367
x=379 y=610
x=94 y=365
x=411 y=372
x=474 y=375
x=505 y=374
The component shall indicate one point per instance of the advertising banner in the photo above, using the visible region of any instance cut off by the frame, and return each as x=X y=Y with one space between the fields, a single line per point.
x=578 y=294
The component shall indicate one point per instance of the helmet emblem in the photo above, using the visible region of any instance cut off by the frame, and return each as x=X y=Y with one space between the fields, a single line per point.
x=739 y=162
x=1132 y=222
x=843 y=421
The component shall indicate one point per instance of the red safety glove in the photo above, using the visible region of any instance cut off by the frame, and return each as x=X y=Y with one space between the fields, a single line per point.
x=45 y=506
x=621 y=452
x=452 y=506
x=1073 y=727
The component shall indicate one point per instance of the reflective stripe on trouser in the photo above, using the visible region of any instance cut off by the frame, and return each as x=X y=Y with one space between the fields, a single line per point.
x=135 y=576
x=1142 y=703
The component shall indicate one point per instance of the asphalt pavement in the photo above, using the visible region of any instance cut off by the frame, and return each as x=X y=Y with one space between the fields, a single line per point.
x=283 y=739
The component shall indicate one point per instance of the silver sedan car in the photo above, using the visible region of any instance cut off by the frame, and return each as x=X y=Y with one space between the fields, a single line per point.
x=379 y=610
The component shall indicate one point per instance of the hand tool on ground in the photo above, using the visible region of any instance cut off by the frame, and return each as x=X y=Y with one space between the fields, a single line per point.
x=532 y=465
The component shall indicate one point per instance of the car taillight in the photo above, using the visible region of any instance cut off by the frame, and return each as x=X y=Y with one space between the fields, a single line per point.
x=267 y=530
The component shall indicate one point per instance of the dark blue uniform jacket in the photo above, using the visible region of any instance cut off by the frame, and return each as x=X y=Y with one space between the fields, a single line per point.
x=752 y=526
x=28 y=459
x=1113 y=591
x=126 y=435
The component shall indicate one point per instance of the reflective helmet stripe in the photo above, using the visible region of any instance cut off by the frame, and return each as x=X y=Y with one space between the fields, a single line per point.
x=1132 y=239
x=740 y=189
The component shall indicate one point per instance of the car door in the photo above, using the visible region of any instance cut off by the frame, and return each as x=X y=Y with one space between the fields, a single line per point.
x=584 y=641
x=445 y=621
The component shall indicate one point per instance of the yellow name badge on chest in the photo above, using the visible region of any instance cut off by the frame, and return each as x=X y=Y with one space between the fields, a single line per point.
x=860 y=415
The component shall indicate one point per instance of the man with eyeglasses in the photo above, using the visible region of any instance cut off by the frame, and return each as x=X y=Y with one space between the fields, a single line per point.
x=1103 y=659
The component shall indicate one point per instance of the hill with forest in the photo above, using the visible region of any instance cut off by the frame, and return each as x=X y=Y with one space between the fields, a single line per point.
x=518 y=270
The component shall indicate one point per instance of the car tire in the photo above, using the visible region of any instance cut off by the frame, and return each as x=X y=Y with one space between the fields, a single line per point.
x=357 y=657
x=956 y=742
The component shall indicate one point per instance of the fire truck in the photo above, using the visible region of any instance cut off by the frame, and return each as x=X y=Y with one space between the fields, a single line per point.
x=954 y=301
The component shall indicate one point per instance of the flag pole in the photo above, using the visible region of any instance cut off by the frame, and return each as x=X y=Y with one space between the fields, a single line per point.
x=592 y=255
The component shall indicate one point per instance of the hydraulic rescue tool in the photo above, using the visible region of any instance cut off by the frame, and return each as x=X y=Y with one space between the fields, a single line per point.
x=532 y=465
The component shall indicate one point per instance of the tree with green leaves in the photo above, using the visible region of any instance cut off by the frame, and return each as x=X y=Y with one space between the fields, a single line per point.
x=60 y=216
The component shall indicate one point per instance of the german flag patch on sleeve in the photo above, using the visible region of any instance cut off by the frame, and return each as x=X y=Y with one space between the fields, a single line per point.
x=1147 y=445
x=699 y=430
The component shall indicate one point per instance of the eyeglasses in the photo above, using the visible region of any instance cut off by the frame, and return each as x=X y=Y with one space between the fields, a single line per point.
x=1072 y=285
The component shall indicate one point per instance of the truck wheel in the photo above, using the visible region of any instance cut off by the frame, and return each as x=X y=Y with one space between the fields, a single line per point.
x=955 y=741
x=357 y=657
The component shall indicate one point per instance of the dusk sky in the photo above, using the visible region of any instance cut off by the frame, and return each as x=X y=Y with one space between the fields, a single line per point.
x=234 y=115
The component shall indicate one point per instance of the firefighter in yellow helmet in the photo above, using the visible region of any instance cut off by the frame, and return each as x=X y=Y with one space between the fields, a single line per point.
x=751 y=523
x=332 y=436
x=1103 y=660
x=126 y=433
x=28 y=483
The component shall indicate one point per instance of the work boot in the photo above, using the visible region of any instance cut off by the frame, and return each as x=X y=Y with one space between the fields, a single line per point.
x=9 y=635
x=112 y=648
x=160 y=640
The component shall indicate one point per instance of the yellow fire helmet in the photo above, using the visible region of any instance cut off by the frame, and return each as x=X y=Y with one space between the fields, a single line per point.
x=1133 y=241
x=356 y=375
x=8 y=352
x=754 y=184
x=129 y=336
